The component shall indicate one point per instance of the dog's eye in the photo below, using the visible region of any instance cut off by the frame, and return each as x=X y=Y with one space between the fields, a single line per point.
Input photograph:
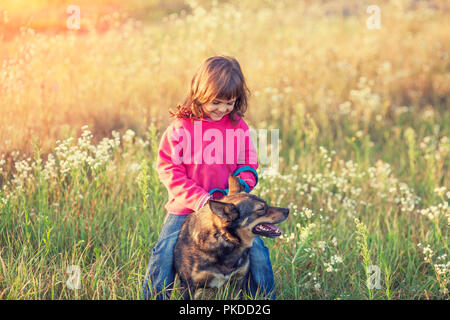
x=260 y=210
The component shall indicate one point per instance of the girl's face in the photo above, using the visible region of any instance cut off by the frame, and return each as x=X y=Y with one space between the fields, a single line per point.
x=217 y=109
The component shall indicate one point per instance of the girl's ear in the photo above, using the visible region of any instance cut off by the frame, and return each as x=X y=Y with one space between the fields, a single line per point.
x=233 y=185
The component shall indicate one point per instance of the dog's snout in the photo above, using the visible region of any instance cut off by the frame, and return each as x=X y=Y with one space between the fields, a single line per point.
x=282 y=211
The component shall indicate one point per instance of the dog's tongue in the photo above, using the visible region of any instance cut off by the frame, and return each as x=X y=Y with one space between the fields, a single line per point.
x=269 y=228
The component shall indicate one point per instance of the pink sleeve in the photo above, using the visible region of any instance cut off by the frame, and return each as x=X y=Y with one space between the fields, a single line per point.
x=172 y=171
x=250 y=156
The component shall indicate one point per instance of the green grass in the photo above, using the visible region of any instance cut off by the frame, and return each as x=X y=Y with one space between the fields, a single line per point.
x=105 y=212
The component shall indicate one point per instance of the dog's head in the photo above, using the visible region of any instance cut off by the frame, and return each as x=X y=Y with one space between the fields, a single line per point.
x=246 y=215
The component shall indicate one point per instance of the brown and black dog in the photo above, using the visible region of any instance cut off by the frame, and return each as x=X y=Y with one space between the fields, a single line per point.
x=214 y=242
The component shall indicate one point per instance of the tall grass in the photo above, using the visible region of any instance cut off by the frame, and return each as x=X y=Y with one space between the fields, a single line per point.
x=364 y=136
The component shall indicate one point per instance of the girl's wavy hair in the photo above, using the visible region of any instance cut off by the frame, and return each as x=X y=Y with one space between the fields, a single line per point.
x=219 y=77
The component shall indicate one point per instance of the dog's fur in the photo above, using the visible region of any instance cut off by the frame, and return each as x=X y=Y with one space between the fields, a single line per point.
x=214 y=242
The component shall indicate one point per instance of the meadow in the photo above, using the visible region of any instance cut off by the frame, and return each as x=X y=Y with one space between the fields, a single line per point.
x=363 y=116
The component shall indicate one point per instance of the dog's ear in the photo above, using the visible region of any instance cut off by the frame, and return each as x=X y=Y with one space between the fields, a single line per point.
x=226 y=211
x=233 y=185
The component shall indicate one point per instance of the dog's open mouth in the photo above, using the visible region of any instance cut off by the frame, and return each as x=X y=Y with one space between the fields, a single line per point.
x=267 y=230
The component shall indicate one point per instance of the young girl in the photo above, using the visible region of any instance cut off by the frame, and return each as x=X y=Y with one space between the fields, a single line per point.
x=216 y=102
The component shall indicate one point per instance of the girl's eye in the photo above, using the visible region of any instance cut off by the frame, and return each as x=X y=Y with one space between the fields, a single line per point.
x=229 y=103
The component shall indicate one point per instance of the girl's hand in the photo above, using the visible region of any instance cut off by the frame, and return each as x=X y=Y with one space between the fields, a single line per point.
x=217 y=195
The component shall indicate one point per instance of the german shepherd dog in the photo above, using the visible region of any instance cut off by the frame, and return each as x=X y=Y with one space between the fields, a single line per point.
x=214 y=242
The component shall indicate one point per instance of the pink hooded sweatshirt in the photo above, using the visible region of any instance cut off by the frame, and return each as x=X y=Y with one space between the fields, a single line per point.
x=196 y=156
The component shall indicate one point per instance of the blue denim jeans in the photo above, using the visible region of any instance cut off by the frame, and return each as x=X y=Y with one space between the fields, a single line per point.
x=160 y=273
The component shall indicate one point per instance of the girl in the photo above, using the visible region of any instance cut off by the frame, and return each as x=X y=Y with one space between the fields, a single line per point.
x=216 y=103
